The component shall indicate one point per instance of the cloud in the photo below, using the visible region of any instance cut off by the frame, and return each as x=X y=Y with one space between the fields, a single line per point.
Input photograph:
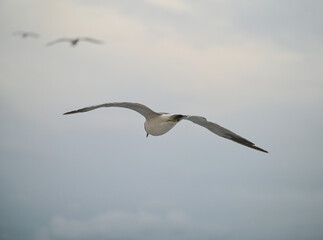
x=119 y=224
x=173 y=5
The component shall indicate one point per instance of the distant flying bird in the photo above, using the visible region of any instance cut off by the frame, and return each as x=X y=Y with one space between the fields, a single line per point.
x=25 y=34
x=75 y=41
x=157 y=124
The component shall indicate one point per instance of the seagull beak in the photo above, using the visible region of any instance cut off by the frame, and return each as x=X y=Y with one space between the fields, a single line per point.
x=147 y=135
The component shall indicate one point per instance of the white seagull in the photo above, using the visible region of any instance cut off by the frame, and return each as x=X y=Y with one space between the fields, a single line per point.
x=75 y=41
x=157 y=124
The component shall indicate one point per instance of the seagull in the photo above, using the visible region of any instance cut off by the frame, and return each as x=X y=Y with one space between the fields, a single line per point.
x=25 y=34
x=157 y=124
x=75 y=41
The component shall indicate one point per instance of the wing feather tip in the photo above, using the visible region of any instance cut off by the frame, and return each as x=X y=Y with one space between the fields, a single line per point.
x=71 y=112
x=259 y=149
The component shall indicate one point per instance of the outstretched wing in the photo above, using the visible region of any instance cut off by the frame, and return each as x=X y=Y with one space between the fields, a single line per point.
x=221 y=131
x=92 y=40
x=142 y=109
x=58 y=40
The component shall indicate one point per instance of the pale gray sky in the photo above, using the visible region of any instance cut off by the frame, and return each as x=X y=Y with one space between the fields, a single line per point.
x=254 y=67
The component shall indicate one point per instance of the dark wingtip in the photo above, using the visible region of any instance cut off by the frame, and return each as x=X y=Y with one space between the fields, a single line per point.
x=259 y=149
x=69 y=113
x=76 y=111
x=247 y=143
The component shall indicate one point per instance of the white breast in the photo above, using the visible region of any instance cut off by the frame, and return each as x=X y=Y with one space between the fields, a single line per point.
x=159 y=125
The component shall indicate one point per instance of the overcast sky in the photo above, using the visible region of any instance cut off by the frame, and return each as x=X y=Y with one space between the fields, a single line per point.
x=254 y=67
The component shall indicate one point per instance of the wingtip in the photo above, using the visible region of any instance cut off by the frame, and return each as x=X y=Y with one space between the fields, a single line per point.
x=67 y=113
x=75 y=111
x=259 y=149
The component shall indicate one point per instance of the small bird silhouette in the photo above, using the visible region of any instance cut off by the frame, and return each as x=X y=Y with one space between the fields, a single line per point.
x=74 y=41
x=23 y=34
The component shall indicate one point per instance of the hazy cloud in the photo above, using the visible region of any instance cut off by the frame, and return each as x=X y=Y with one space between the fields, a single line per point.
x=175 y=5
x=124 y=225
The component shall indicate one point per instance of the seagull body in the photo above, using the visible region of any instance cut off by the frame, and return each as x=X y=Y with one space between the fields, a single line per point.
x=157 y=124
x=25 y=34
x=160 y=125
x=75 y=41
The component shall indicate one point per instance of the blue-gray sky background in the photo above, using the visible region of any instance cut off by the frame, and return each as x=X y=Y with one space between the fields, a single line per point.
x=254 y=67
